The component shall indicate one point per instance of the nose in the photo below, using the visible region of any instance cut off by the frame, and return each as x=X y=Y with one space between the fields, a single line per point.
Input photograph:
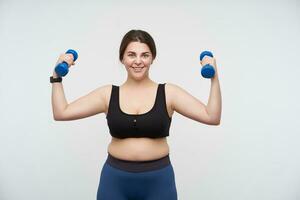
x=138 y=60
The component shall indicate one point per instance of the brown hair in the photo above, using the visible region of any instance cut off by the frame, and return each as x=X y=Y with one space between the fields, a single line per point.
x=137 y=36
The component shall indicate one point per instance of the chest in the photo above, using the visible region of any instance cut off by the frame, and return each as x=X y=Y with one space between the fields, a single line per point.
x=133 y=102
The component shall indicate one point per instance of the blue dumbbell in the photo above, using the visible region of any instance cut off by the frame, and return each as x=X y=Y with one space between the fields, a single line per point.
x=63 y=68
x=207 y=70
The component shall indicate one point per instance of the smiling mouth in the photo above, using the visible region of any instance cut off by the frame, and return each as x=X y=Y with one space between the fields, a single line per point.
x=137 y=69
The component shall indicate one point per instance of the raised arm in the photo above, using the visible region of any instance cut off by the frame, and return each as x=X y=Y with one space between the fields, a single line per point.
x=85 y=106
x=191 y=107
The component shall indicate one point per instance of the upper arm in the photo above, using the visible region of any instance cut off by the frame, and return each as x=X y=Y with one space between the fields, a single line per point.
x=88 y=105
x=188 y=106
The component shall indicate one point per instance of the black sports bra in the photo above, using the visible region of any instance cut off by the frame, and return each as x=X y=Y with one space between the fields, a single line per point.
x=152 y=124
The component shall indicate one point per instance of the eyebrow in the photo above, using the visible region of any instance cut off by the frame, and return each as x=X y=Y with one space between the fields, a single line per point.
x=142 y=52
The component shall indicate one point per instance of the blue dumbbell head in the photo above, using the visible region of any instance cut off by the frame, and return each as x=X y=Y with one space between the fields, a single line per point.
x=207 y=70
x=62 y=69
x=205 y=53
x=74 y=53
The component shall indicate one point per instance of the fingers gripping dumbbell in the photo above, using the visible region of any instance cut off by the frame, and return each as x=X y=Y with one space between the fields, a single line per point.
x=62 y=69
x=207 y=71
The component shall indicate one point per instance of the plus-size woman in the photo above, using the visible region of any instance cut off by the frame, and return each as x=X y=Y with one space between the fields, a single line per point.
x=139 y=114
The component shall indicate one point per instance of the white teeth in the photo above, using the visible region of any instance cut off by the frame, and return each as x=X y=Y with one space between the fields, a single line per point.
x=137 y=69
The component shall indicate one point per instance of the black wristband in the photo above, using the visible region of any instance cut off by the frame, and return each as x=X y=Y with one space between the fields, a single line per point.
x=53 y=80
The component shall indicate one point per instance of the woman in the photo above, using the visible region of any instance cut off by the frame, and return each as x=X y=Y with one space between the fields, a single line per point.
x=139 y=114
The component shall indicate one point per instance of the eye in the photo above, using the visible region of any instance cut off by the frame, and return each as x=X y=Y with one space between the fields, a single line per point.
x=146 y=55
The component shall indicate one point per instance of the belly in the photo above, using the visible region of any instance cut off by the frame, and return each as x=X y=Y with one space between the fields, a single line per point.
x=138 y=149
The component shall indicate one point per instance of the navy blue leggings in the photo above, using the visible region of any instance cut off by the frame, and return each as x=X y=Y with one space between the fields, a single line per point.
x=137 y=180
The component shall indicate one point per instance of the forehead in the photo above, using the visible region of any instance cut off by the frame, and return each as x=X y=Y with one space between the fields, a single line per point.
x=137 y=47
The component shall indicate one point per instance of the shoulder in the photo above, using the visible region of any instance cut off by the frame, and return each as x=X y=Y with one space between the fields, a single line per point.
x=171 y=85
x=102 y=91
x=105 y=91
x=172 y=91
x=106 y=87
x=172 y=88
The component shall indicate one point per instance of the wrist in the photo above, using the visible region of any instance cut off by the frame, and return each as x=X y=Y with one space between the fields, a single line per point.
x=215 y=77
x=55 y=79
x=55 y=75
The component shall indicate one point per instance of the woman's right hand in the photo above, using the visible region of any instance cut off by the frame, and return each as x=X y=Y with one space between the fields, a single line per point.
x=67 y=57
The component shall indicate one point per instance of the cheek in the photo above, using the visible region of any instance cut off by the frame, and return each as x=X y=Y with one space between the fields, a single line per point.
x=148 y=61
x=127 y=62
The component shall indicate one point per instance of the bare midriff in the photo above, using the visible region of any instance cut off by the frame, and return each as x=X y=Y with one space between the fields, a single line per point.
x=138 y=149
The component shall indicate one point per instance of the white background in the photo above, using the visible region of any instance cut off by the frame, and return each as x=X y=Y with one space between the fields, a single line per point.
x=253 y=154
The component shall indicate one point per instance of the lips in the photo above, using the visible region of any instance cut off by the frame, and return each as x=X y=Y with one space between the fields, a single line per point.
x=137 y=69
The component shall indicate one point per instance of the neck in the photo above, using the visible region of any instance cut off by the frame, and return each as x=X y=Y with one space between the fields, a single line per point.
x=134 y=83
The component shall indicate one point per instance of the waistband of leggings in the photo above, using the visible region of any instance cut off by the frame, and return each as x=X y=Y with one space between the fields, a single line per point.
x=138 y=166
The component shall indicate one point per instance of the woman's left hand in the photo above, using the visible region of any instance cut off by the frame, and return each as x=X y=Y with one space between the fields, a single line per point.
x=209 y=60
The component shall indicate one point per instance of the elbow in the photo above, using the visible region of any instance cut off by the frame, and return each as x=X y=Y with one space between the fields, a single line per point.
x=59 y=113
x=215 y=122
x=218 y=122
x=58 y=117
x=213 y=119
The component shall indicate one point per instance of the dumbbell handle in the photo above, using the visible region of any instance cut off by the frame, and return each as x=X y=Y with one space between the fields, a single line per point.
x=62 y=69
x=207 y=71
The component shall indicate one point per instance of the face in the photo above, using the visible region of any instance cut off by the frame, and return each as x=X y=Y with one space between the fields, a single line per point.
x=137 y=59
